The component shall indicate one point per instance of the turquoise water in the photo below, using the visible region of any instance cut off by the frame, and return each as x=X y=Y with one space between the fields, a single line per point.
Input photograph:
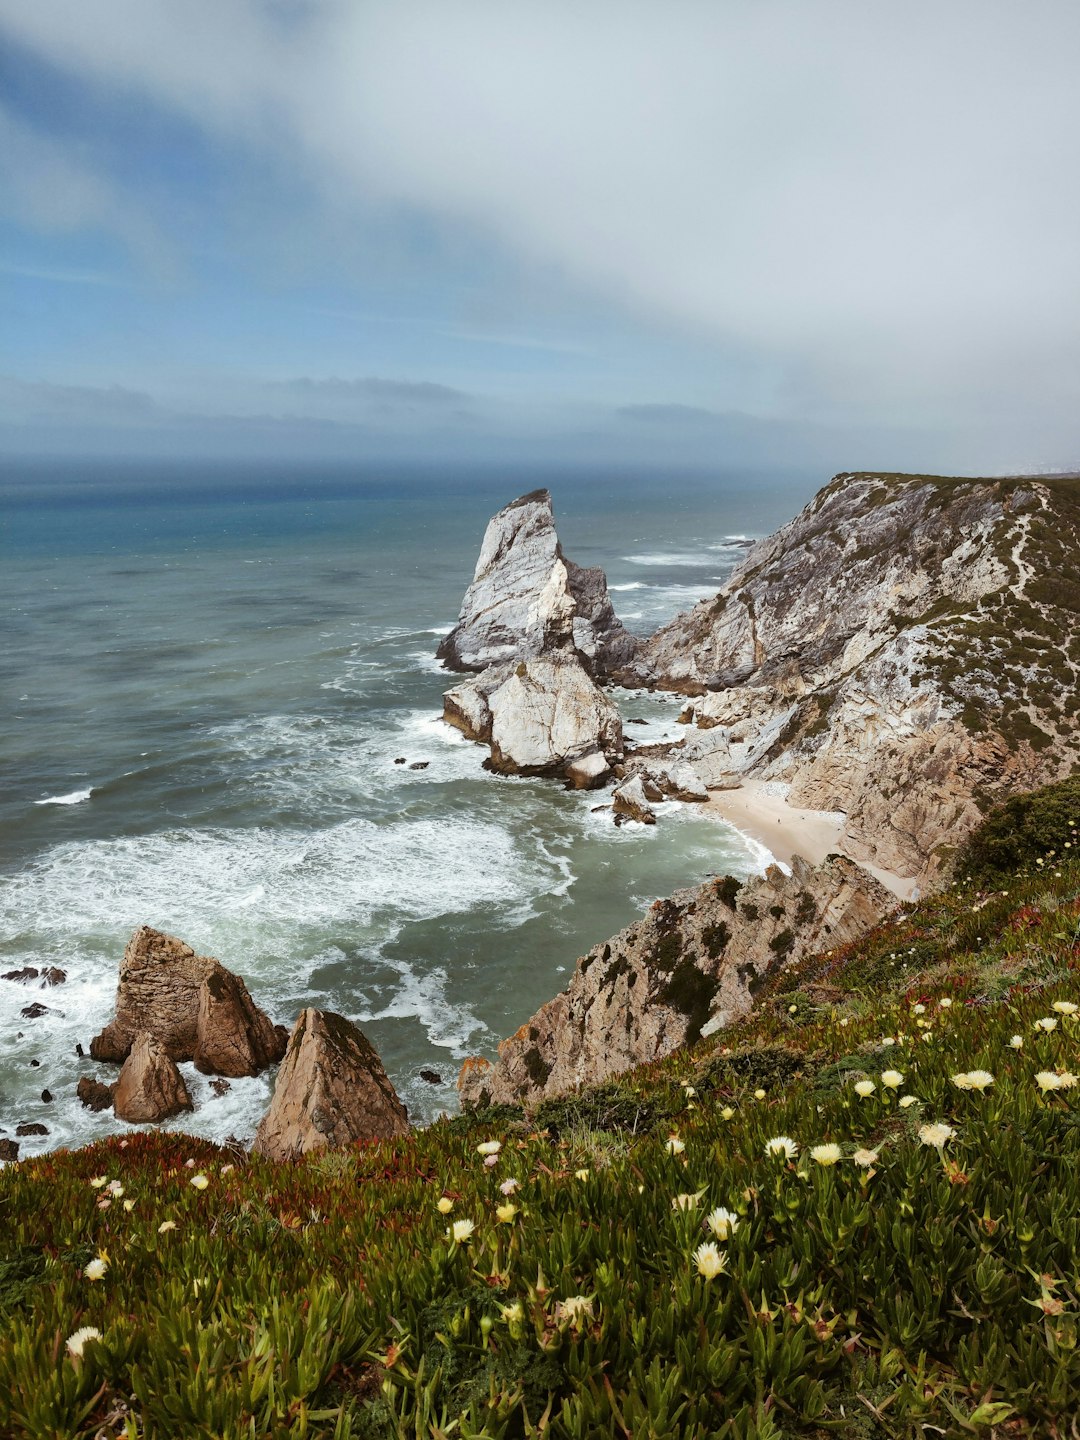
x=207 y=677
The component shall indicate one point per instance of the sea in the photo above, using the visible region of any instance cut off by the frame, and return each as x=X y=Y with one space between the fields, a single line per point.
x=217 y=688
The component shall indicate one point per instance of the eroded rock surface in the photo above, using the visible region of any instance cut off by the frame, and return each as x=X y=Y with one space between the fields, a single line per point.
x=331 y=1090
x=692 y=965
x=150 y=1088
x=527 y=600
x=189 y=1003
x=629 y=800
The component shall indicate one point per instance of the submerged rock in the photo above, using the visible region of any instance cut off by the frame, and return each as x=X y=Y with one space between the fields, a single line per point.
x=191 y=1004
x=331 y=1090
x=150 y=1088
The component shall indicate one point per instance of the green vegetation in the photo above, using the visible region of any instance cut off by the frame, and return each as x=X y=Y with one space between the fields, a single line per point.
x=910 y=1268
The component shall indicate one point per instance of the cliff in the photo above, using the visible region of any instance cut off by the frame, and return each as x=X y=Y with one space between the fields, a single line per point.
x=906 y=650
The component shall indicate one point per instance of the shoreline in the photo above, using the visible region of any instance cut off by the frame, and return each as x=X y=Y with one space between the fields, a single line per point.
x=786 y=830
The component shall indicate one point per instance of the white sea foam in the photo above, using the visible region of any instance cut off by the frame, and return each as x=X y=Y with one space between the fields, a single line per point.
x=631 y=585
x=672 y=558
x=73 y=797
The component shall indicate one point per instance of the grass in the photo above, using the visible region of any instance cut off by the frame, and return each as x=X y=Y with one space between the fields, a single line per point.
x=929 y=1291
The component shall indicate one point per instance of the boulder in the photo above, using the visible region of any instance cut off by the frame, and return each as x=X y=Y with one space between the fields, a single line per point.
x=526 y=599
x=94 y=1095
x=628 y=799
x=588 y=772
x=191 y=1004
x=9 y=1150
x=684 y=783
x=23 y=976
x=31 y=1127
x=549 y=712
x=331 y=1090
x=150 y=1088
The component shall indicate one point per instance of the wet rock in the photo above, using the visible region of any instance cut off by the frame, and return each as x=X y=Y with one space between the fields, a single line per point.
x=94 y=1095
x=400 y=760
x=23 y=976
x=34 y=1012
x=46 y=1097
x=419 y=764
x=31 y=1127
x=331 y=1090
x=35 y=1064
x=53 y=976
x=191 y=1003
x=9 y=1150
x=79 y=1050
x=150 y=1088
x=629 y=801
x=431 y=1076
x=220 y=1087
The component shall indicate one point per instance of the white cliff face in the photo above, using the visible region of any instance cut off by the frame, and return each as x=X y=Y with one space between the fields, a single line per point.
x=526 y=600
x=903 y=647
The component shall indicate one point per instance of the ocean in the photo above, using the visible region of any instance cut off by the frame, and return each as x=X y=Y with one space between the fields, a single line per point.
x=208 y=676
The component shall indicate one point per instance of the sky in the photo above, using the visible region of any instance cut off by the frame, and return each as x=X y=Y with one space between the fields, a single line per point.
x=843 y=233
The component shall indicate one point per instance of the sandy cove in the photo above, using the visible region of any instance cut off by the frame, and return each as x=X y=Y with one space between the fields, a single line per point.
x=786 y=830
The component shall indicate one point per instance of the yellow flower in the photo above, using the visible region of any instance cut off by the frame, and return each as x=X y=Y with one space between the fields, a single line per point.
x=166 y=1226
x=1064 y=1007
x=506 y=1212
x=512 y=1314
x=723 y=1223
x=936 y=1135
x=445 y=1205
x=129 y=1205
x=460 y=1231
x=581 y=1174
x=865 y=1088
x=77 y=1343
x=99 y=1180
x=727 y=1113
x=1047 y=1023
x=710 y=1260
x=759 y=1094
x=200 y=1182
x=892 y=1078
x=782 y=1145
x=906 y=1100
x=686 y=1202
x=825 y=1154
x=489 y=1147
x=96 y=1268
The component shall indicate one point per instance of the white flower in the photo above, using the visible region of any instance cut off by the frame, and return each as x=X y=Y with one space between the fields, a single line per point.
x=1066 y=1080
x=574 y=1308
x=200 y=1182
x=937 y=1134
x=115 y=1188
x=166 y=1226
x=489 y=1147
x=723 y=1223
x=98 y=1181
x=460 y=1231
x=944 y=1002
x=973 y=1080
x=685 y=1202
x=825 y=1154
x=129 y=1205
x=781 y=1145
x=865 y=1088
x=674 y=1145
x=512 y=1313
x=892 y=1078
x=1017 y=1042
x=509 y=1186
x=1064 y=1007
x=77 y=1343
x=1047 y=1023
x=1048 y=1080
x=710 y=1261
x=918 y=1009
x=444 y=1205
x=865 y=1158
x=906 y=1100
x=96 y=1268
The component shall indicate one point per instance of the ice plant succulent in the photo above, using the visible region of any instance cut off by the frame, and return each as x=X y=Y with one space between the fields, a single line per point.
x=97 y=1267
x=460 y=1231
x=710 y=1260
x=892 y=1078
x=77 y=1342
x=826 y=1154
x=722 y=1222
x=782 y=1145
x=937 y=1134
x=865 y=1088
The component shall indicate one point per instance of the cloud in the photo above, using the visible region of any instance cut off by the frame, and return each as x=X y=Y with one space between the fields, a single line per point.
x=882 y=201
x=408 y=393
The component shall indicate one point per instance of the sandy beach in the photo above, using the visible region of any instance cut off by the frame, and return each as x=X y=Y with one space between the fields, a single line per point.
x=786 y=830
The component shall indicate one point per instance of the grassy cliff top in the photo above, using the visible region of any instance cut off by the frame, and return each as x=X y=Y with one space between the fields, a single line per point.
x=854 y=1214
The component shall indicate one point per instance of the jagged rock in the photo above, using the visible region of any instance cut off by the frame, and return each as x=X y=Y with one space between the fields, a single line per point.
x=684 y=783
x=629 y=799
x=331 y=1090
x=31 y=1127
x=53 y=976
x=527 y=600
x=9 y=1150
x=232 y=1035
x=866 y=655
x=190 y=1003
x=35 y=1011
x=220 y=1087
x=94 y=1095
x=21 y=977
x=588 y=772
x=46 y=1097
x=419 y=764
x=691 y=966
x=150 y=1088
x=431 y=1077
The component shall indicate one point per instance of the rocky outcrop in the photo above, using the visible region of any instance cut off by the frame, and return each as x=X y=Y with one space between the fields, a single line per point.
x=690 y=967
x=527 y=600
x=629 y=801
x=189 y=1003
x=904 y=650
x=150 y=1088
x=331 y=1090
x=95 y=1095
x=539 y=717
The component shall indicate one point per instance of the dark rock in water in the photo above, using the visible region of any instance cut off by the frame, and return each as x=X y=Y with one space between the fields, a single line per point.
x=431 y=1076
x=53 y=976
x=46 y=1097
x=34 y=1012
x=331 y=1090
x=150 y=1088
x=21 y=976
x=400 y=760
x=35 y=1064
x=31 y=1127
x=220 y=1087
x=197 y=1009
x=79 y=1051
x=420 y=765
x=9 y=1150
x=94 y=1095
